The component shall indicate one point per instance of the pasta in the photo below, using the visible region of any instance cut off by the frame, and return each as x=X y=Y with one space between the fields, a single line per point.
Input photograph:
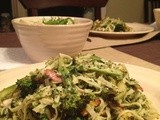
x=110 y=25
x=85 y=87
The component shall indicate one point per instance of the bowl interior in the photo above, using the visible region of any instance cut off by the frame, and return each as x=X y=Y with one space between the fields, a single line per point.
x=38 y=21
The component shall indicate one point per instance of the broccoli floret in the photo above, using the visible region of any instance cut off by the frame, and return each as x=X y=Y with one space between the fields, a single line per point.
x=7 y=92
x=72 y=106
x=31 y=82
x=43 y=117
x=119 y=28
x=26 y=85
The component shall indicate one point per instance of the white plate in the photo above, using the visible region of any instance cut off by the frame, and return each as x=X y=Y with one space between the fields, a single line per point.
x=138 y=29
x=148 y=79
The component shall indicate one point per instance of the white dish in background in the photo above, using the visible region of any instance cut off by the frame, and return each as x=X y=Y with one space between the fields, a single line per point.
x=137 y=29
x=147 y=78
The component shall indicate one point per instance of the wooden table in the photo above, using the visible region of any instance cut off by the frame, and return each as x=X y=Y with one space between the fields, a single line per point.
x=145 y=54
x=148 y=50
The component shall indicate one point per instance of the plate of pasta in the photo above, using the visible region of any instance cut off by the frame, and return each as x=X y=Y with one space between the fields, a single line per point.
x=84 y=87
x=112 y=27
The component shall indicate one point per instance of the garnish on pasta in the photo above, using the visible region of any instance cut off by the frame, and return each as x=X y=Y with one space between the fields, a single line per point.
x=58 y=21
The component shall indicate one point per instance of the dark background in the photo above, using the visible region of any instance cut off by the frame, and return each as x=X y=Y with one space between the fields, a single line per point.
x=5 y=6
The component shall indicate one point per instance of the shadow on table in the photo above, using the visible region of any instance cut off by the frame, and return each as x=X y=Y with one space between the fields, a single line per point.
x=17 y=55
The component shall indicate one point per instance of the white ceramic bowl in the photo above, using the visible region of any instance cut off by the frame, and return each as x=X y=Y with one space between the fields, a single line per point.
x=41 y=41
x=156 y=12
